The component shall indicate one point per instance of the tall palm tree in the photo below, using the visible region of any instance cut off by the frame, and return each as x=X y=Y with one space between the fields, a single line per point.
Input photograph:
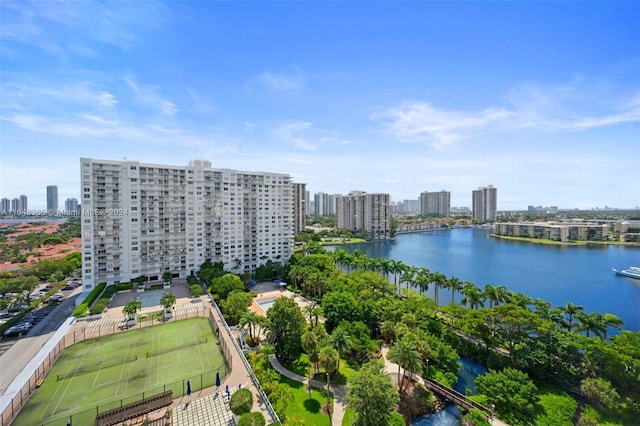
x=406 y=355
x=422 y=279
x=384 y=267
x=250 y=320
x=491 y=295
x=329 y=358
x=310 y=346
x=571 y=310
x=455 y=285
x=472 y=296
x=340 y=340
x=407 y=276
x=611 y=320
x=591 y=323
x=438 y=279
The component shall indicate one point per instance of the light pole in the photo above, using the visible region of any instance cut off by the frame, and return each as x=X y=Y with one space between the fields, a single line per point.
x=493 y=409
x=328 y=401
x=427 y=368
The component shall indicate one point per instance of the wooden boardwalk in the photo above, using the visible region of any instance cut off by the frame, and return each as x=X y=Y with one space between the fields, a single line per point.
x=454 y=396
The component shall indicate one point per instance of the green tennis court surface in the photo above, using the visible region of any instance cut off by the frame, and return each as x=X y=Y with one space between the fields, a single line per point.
x=117 y=369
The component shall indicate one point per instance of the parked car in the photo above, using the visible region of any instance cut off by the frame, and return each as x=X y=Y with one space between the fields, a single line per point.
x=18 y=329
x=68 y=287
x=56 y=298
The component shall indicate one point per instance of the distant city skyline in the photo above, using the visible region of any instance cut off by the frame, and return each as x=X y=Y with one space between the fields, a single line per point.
x=539 y=99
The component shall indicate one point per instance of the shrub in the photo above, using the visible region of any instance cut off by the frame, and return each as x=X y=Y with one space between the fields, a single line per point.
x=109 y=291
x=99 y=306
x=195 y=290
x=475 y=418
x=191 y=280
x=89 y=300
x=252 y=419
x=124 y=286
x=396 y=419
x=241 y=402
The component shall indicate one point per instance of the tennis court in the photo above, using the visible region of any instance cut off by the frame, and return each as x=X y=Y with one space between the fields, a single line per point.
x=114 y=370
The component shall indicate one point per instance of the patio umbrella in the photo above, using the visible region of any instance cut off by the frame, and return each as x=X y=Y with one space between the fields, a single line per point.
x=227 y=390
x=188 y=387
x=217 y=378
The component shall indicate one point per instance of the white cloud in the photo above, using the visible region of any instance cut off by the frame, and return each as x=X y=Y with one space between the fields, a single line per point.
x=290 y=133
x=421 y=122
x=148 y=95
x=281 y=81
x=573 y=107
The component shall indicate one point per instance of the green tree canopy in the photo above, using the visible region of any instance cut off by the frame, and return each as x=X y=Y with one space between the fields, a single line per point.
x=222 y=286
x=372 y=395
x=286 y=325
x=512 y=392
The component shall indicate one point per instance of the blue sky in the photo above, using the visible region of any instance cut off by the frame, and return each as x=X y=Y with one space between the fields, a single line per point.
x=540 y=99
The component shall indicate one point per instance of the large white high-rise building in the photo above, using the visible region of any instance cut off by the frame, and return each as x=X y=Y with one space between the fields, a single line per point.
x=360 y=210
x=485 y=203
x=147 y=219
x=435 y=203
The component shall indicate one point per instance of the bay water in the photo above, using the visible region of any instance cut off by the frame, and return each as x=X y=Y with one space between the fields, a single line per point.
x=557 y=273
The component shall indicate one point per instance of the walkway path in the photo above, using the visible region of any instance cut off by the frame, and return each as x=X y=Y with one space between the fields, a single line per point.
x=392 y=369
x=339 y=391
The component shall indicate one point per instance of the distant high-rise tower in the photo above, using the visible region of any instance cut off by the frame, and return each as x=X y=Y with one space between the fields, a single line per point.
x=435 y=203
x=6 y=206
x=321 y=203
x=360 y=210
x=299 y=207
x=484 y=203
x=52 y=199
x=23 y=204
x=71 y=207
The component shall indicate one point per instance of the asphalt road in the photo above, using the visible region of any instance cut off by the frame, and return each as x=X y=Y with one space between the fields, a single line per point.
x=13 y=361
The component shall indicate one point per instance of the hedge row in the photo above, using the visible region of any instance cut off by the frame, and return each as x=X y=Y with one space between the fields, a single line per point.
x=124 y=286
x=105 y=299
x=81 y=308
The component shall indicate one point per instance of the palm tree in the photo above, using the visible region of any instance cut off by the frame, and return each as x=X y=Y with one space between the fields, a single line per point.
x=422 y=279
x=310 y=346
x=455 y=285
x=438 y=279
x=388 y=330
x=491 y=295
x=340 y=340
x=167 y=277
x=131 y=308
x=329 y=358
x=589 y=323
x=407 y=276
x=472 y=296
x=167 y=301
x=571 y=310
x=611 y=320
x=406 y=355
x=251 y=320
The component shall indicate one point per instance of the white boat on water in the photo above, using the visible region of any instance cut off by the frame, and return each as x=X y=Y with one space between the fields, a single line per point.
x=630 y=272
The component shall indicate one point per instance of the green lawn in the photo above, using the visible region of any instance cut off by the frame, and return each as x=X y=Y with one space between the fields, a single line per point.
x=303 y=407
x=347 y=369
x=115 y=369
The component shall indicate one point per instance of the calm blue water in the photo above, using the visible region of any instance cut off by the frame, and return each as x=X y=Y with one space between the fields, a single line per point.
x=558 y=274
x=450 y=416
